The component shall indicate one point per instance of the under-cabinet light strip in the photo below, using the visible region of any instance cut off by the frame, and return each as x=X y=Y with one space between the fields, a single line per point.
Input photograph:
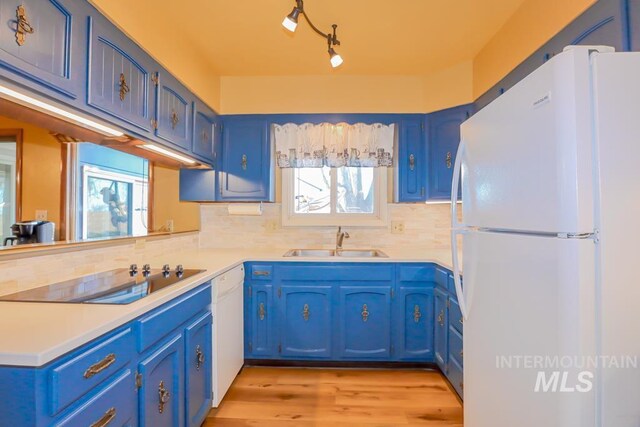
x=165 y=152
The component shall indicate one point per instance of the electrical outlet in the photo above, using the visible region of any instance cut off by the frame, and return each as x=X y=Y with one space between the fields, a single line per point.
x=41 y=215
x=397 y=227
x=169 y=225
x=271 y=225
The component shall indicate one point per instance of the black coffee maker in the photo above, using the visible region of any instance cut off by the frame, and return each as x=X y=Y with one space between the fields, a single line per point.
x=23 y=233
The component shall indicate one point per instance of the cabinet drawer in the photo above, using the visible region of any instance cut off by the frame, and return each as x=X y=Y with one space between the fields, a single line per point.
x=337 y=272
x=261 y=272
x=115 y=405
x=160 y=322
x=416 y=273
x=455 y=346
x=456 y=377
x=442 y=277
x=74 y=377
x=455 y=315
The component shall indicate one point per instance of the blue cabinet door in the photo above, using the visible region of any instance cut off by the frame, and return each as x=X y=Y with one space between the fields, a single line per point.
x=198 y=364
x=119 y=74
x=441 y=329
x=161 y=396
x=634 y=25
x=173 y=111
x=198 y=185
x=304 y=322
x=49 y=53
x=246 y=168
x=414 y=322
x=444 y=137
x=204 y=133
x=259 y=319
x=412 y=161
x=365 y=320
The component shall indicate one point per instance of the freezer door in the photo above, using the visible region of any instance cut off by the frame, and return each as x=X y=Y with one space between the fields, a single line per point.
x=526 y=157
x=530 y=305
x=617 y=101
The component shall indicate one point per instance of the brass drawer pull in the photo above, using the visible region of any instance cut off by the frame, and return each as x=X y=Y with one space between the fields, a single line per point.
x=199 y=357
x=416 y=313
x=124 y=87
x=461 y=320
x=261 y=273
x=441 y=318
x=243 y=162
x=106 y=418
x=109 y=360
x=163 y=397
x=448 y=160
x=261 y=311
x=461 y=354
x=365 y=313
x=23 y=27
x=174 y=119
x=305 y=312
x=412 y=162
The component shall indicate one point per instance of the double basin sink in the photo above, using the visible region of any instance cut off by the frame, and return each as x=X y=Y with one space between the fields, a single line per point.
x=344 y=253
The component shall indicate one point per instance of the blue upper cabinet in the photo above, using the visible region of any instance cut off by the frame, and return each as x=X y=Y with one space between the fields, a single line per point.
x=173 y=111
x=634 y=25
x=444 y=137
x=246 y=170
x=120 y=83
x=304 y=320
x=42 y=45
x=205 y=133
x=411 y=178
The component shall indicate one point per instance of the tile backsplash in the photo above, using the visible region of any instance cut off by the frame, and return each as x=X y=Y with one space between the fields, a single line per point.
x=426 y=226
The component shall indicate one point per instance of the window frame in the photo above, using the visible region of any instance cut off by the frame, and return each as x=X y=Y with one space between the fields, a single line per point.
x=379 y=217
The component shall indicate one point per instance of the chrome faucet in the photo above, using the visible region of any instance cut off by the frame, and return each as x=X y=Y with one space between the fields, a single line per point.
x=340 y=236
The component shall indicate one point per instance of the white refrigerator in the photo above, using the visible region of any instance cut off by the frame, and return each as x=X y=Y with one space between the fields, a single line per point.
x=550 y=235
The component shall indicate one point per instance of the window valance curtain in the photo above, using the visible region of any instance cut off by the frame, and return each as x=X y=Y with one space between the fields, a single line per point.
x=316 y=145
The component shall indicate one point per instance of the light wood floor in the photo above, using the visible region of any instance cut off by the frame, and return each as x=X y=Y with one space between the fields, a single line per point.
x=287 y=397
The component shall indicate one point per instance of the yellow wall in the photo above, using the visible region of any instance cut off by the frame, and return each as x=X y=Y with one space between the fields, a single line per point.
x=141 y=23
x=167 y=205
x=532 y=25
x=347 y=94
x=41 y=170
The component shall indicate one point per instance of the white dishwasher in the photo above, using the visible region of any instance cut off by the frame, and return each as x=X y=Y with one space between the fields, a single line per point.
x=228 y=330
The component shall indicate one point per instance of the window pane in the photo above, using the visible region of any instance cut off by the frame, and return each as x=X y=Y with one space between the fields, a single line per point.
x=355 y=190
x=312 y=190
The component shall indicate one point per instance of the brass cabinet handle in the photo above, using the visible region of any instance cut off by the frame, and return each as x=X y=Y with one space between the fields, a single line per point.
x=461 y=320
x=94 y=369
x=243 y=162
x=305 y=312
x=448 y=160
x=365 y=313
x=199 y=357
x=416 y=313
x=174 y=119
x=23 y=27
x=412 y=162
x=205 y=137
x=261 y=311
x=163 y=397
x=461 y=354
x=260 y=273
x=441 y=318
x=124 y=87
x=106 y=418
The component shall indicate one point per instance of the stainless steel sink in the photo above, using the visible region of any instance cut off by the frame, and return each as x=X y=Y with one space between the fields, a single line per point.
x=346 y=253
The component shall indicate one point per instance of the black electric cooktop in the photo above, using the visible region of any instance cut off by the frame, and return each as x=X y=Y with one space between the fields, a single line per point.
x=110 y=287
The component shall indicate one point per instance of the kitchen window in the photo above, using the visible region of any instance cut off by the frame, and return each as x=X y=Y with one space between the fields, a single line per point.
x=352 y=196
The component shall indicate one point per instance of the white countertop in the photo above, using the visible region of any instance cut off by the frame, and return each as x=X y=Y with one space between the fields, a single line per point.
x=33 y=334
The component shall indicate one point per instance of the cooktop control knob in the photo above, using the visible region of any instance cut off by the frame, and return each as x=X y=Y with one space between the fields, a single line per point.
x=179 y=270
x=166 y=270
x=133 y=269
x=146 y=270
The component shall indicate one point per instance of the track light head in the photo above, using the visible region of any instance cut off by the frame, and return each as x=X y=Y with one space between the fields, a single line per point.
x=336 y=59
x=290 y=22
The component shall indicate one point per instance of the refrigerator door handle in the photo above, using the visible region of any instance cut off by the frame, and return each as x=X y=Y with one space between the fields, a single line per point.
x=456 y=229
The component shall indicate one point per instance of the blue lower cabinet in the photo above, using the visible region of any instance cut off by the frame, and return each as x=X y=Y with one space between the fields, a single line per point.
x=114 y=405
x=198 y=365
x=441 y=329
x=414 y=322
x=304 y=321
x=455 y=376
x=365 y=322
x=161 y=396
x=260 y=314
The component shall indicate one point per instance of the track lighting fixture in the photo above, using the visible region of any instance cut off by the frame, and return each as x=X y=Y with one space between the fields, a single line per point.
x=290 y=22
